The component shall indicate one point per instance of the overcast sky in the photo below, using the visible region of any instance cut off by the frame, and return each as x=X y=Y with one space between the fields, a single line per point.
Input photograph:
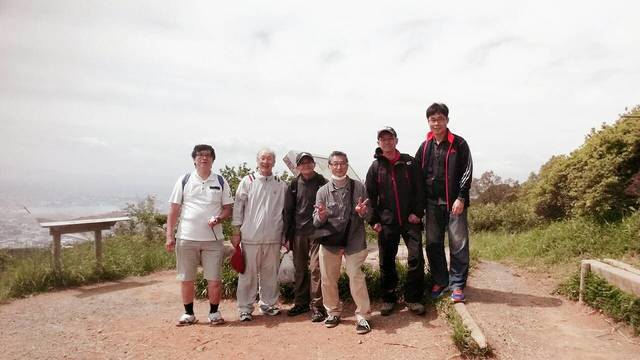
x=112 y=95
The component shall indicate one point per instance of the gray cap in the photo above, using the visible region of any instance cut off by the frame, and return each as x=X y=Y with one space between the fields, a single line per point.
x=387 y=129
x=301 y=157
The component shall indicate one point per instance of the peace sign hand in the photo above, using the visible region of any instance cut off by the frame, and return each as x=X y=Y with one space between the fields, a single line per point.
x=362 y=206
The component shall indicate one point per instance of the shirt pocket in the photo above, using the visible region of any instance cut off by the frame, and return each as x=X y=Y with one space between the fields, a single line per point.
x=213 y=196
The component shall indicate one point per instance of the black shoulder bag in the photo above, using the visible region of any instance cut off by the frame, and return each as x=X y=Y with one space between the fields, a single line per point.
x=336 y=237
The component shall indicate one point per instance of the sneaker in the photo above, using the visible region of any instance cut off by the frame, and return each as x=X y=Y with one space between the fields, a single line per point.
x=186 y=320
x=245 y=316
x=437 y=290
x=318 y=316
x=386 y=308
x=332 y=321
x=216 y=318
x=270 y=310
x=416 y=308
x=297 y=310
x=362 y=326
x=457 y=296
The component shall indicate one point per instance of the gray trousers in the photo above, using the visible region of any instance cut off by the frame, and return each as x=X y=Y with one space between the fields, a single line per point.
x=306 y=261
x=260 y=276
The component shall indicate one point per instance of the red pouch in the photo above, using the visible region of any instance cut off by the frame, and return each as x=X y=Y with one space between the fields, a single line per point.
x=237 y=259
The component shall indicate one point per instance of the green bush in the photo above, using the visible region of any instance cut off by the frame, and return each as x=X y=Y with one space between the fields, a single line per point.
x=509 y=217
x=591 y=181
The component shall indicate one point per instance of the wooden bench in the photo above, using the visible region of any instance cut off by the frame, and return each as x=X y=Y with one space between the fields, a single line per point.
x=57 y=228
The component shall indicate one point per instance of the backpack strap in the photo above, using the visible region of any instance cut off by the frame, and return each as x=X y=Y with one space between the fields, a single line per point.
x=185 y=179
x=221 y=181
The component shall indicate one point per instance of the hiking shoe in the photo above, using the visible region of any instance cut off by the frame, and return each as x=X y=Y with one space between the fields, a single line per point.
x=186 y=320
x=297 y=310
x=386 y=308
x=457 y=296
x=332 y=321
x=270 y=310
x=416 y=308
x=318 y=316
x=437 y=290
x=245 y=316
x=362 y=326
x=215 y=318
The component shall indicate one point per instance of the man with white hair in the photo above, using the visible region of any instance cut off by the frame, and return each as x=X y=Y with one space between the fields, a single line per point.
x=258 y=226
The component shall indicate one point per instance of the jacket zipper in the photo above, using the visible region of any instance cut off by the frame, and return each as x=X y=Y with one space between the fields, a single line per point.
x=395 y=192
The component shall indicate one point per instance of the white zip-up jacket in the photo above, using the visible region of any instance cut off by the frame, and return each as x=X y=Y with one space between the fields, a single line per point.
x=258 y=209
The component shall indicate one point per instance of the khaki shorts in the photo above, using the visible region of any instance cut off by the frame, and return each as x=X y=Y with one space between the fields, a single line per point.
x=190 y=254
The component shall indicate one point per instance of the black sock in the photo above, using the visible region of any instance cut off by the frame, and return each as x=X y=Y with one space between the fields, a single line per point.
x=213 y=308
x=188 y=309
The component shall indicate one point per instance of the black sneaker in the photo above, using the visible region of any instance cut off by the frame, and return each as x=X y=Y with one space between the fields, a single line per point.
x=386 y=308
x=332 y=321
x=318 y=316
x=362 y=326
x=297 y=310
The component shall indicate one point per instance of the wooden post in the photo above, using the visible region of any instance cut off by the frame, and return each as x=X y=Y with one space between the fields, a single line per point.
x=585 y=267
x=98 y=236
x=55 y=252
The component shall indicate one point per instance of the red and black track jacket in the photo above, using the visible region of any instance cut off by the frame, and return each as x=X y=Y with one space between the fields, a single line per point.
x=458 y=168
x=391 y=190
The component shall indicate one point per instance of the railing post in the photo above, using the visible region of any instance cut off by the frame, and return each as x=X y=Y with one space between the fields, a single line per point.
x=585 y=267
x=55 y=252
x=98 y=238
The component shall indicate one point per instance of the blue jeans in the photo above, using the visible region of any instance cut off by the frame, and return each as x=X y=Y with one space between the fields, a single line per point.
x=440 y=220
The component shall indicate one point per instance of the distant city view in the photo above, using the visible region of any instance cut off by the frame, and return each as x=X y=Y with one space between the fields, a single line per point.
x=23 y=211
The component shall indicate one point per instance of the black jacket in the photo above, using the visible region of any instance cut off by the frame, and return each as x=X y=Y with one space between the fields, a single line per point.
x=458 y=168
x=298 y=205
x=392 y=190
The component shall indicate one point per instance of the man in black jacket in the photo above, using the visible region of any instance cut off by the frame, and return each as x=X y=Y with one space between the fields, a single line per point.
x=391 y=189
x=444 y=169
x=298 y=222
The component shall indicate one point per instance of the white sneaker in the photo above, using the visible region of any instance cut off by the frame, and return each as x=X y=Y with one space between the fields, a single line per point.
x=216 y=318
x=245 y=316
x=270 y=310
x=186 y=320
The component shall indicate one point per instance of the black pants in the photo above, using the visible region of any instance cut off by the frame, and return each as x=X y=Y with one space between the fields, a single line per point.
x=306 y=261
x=388 y=241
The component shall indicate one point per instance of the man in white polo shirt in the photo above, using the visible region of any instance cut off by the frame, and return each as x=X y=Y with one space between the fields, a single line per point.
x=202 y=200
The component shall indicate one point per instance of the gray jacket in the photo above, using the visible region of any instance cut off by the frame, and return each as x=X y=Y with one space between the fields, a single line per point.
x=336 y=201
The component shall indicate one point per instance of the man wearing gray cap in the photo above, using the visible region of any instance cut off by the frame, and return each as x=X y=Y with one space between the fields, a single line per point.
x=298 y=224
x=392 y=192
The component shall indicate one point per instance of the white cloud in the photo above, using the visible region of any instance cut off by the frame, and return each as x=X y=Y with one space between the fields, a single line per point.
x=138 y=83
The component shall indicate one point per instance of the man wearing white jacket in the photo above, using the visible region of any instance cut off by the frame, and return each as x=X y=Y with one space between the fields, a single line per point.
x=258 y=226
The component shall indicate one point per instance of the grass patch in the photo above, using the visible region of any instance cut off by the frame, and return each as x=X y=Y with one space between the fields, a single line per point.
x=28 y=271
x=603 y=296
x=461 y=335
x=562 y=242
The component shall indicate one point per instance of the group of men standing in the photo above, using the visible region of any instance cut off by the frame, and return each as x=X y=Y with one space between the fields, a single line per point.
x=322 y=221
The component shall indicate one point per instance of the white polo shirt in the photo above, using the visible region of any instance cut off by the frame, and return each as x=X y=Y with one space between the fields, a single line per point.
x=203 y=198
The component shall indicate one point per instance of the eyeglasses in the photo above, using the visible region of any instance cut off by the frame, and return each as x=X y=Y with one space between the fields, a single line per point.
x=204 y=154
x=339 y=163
x=436 y=118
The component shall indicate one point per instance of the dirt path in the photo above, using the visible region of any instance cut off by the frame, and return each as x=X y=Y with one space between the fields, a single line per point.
x=523 y=321
x=134 y=319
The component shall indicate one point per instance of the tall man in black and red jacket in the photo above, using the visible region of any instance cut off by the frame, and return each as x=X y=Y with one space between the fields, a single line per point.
x=444 y=168
x=391 y=188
